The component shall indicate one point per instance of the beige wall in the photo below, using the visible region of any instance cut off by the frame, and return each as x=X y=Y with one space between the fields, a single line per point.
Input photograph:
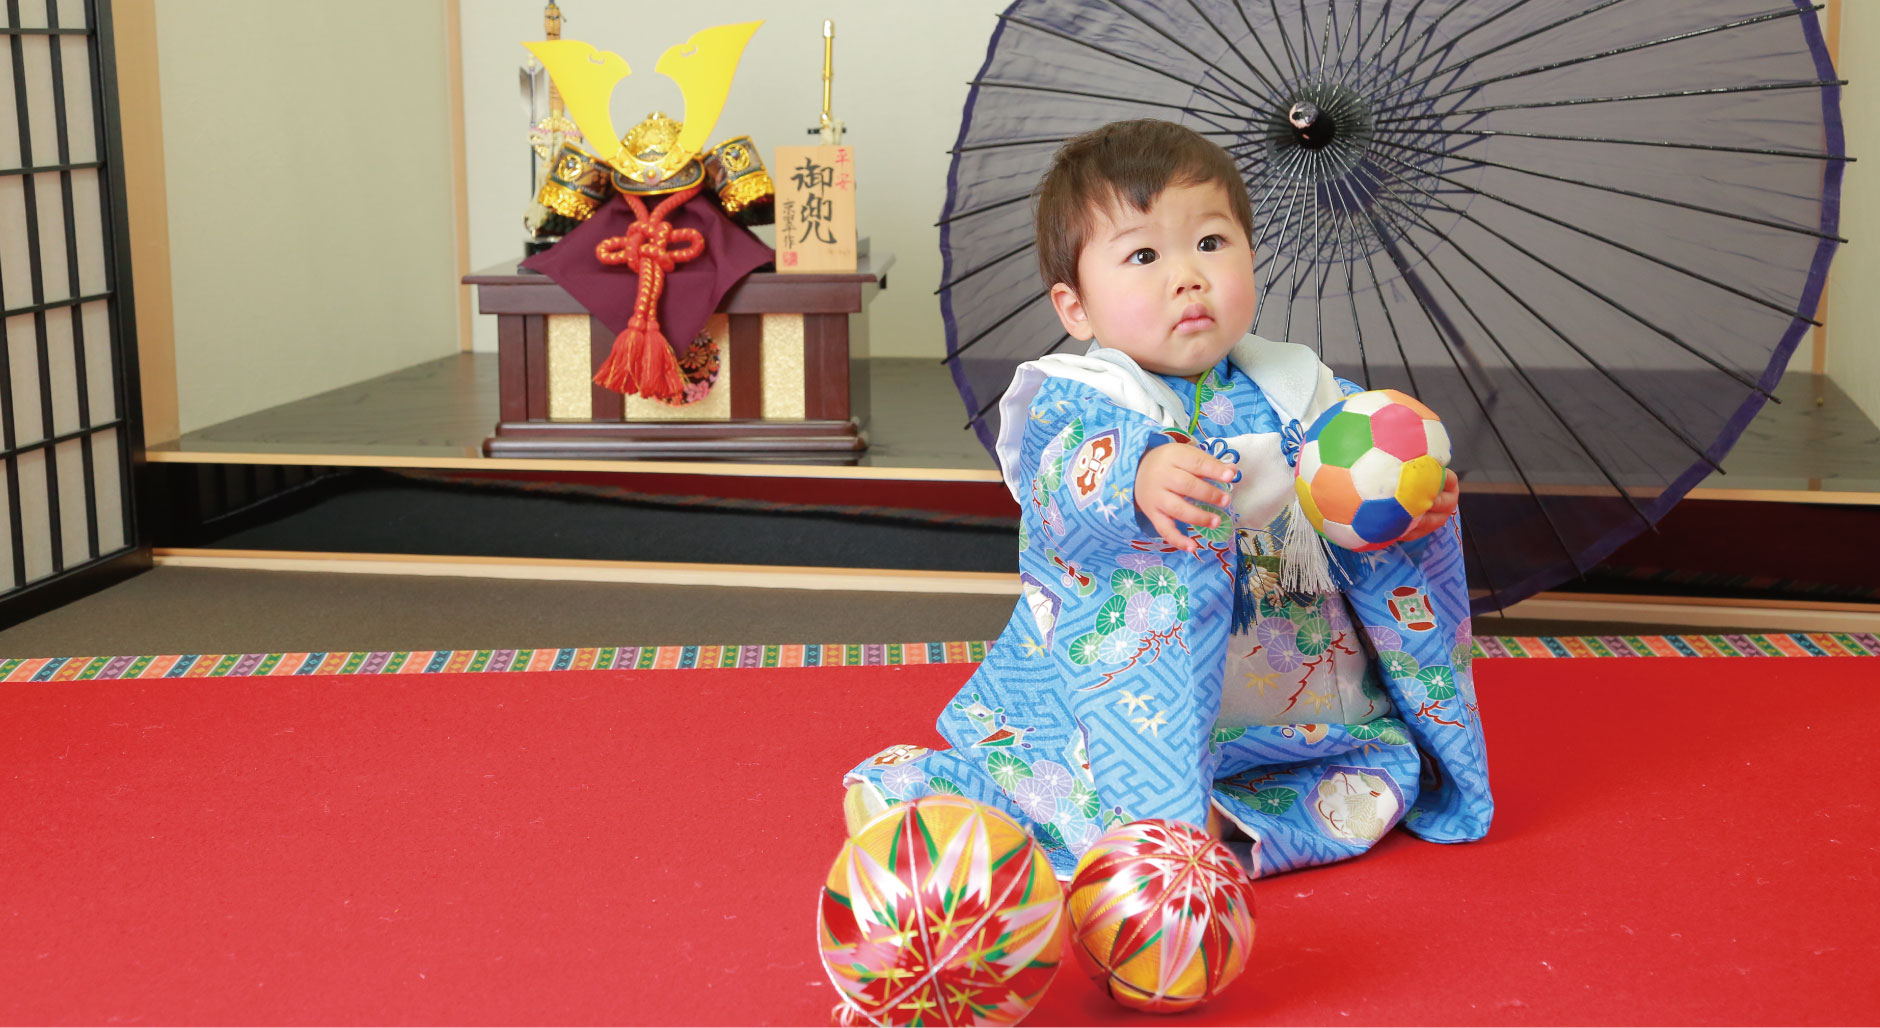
x=140 y=110
x=901 y=73
x=1854 y=285
x=307 y=154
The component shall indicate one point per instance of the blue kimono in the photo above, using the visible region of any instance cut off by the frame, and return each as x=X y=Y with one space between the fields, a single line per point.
x=1102 y=700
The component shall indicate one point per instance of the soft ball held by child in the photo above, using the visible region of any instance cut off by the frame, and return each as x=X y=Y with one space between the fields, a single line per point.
x=1370 y=466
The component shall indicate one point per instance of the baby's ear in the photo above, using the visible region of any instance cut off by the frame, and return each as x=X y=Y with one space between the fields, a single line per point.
x=1071 y=313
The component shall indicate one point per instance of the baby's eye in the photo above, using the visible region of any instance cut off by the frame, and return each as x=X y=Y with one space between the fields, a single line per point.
x=1142 y=256
x=1209 y=244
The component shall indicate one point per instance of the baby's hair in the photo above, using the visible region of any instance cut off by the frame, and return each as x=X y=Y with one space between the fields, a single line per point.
x=1123 y=162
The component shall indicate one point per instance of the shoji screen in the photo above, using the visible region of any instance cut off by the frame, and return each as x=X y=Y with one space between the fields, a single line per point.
x=67 y=437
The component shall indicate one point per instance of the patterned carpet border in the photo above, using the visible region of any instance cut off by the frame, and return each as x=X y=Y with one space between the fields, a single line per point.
x=658 y=658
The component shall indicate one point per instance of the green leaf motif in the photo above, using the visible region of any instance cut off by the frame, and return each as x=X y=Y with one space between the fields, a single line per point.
x=939 y=784
x=1384 y=730
x=1398 y=664
x=1124 y=582
x=1273 y=604
x=1227 y=734
x=1006 y=769
x=1110 y=615
x=1051 y=475
x=1160 y=581
x=1315 y=635
x=1463 y=655
x=1276 y=800
x=1024 y=537
x=1219 y=533
x=1048 y=837
x=1439 y=683
x=1051 y=471
x=1084 y=798
x=1084 y=648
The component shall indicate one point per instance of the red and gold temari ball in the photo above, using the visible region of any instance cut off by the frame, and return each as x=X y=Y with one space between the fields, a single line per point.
x=1161 y=915
x=1371 y=464
x=941 y=911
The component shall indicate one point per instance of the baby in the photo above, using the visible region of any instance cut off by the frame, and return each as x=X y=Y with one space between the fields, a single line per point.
x=1185 y=646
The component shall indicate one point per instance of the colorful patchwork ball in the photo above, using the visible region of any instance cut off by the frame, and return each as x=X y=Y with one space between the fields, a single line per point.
x=941 y=911
x=1161 y=915
x=1370 y=465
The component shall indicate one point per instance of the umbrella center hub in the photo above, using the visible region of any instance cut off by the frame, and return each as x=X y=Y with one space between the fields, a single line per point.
x=1330 y=121
x=1311 y=128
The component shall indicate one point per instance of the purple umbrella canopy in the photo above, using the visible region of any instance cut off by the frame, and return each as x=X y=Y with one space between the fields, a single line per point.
x=1588 y=233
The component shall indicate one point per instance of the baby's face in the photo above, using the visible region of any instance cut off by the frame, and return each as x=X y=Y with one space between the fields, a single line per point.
x=1172 y=286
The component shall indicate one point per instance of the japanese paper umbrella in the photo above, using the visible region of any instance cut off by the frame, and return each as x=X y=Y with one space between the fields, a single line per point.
x=1589 y=233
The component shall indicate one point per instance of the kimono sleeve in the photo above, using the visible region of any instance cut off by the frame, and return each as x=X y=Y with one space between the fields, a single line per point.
x=1412 y=600
x=1080 y=457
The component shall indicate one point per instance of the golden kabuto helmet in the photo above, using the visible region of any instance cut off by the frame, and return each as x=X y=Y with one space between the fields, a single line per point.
x=661 y=155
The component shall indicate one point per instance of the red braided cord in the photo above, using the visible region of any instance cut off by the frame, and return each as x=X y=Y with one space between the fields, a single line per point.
x=645 y=251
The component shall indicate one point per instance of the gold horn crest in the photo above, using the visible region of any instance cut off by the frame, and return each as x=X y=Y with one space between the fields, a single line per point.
x=659 y=155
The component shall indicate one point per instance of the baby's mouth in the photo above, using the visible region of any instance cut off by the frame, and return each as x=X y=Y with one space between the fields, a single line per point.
x=1194 y=319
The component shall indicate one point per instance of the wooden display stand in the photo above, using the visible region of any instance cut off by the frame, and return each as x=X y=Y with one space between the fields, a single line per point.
x=785 y=385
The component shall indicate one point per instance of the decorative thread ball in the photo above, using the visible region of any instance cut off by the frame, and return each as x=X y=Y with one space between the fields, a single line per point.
x=940 y=911
x=1161 y=915
x=1370 y=466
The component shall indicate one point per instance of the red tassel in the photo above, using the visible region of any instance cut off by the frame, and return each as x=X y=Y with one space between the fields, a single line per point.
x=641 y=362
x=656 y=372
x=613 y=372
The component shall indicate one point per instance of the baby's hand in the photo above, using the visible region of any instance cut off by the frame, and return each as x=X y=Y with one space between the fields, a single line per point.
x=1439 y=512
x=1170 y=478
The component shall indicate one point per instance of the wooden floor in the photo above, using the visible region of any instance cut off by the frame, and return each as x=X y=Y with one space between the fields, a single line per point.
x=1815 y=445
x=438 y=413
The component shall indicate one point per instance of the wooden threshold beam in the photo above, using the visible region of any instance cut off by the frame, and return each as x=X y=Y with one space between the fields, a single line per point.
x=1697 y=612
x=736 y=576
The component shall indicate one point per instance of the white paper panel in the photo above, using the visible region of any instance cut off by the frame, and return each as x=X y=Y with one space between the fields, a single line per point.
x=62 y=359
x=54 y=276
x=35 y=515
x=9 y=111
x=36 y=57
x=16 y=281
x=74 y=518
x=99 y=374
x=23 y=357
x=88 y=231
x=71 y=14
x=80 y=131
x=32 y=14
x=107 y=476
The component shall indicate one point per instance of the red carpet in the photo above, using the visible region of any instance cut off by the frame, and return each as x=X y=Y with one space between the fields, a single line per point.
x=1672 y=846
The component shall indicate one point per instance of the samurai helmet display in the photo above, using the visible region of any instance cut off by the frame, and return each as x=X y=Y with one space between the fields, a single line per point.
x=662 y=155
